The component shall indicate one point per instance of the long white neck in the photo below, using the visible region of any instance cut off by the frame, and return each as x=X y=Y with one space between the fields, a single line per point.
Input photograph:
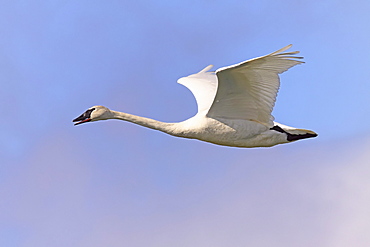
x=168 y=128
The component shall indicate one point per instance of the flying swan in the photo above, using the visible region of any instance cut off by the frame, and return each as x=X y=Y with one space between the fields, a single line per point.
x=234 y=105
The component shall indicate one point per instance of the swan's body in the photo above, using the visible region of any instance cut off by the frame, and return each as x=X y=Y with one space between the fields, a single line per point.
x=234 y=105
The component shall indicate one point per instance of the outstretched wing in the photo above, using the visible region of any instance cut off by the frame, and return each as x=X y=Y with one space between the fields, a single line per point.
x=248 y=90
x=203 y=85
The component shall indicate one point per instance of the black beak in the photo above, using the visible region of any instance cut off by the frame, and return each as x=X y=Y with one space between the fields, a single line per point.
x=84 y=118
x=81 y=119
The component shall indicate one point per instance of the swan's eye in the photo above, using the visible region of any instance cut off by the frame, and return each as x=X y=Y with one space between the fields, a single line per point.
x=88 y=112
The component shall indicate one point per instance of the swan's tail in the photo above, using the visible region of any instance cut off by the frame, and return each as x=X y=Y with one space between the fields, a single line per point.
x=294 y=134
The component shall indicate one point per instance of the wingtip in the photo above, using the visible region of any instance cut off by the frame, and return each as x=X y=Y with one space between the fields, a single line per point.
x=206 y=68
x=282 y=49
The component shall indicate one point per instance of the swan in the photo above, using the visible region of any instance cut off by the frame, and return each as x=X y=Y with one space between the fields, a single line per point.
x=234 y=105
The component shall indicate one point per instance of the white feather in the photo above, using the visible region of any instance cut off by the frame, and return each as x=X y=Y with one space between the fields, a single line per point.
x=248 y=90
x=203 y=85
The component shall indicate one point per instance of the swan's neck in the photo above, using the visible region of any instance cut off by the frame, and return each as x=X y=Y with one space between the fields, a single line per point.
x=168 y=128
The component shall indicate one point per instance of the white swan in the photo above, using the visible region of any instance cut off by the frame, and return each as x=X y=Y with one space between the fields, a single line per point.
x=234 y=105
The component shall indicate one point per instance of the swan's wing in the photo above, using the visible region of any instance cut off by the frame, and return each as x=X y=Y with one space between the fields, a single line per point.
x=203 y=85
x=248 y=90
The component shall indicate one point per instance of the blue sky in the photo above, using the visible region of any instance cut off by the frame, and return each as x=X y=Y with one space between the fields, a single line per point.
x=116 y=184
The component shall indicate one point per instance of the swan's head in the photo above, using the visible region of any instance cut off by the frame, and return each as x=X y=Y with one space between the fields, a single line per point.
x=94 y=113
